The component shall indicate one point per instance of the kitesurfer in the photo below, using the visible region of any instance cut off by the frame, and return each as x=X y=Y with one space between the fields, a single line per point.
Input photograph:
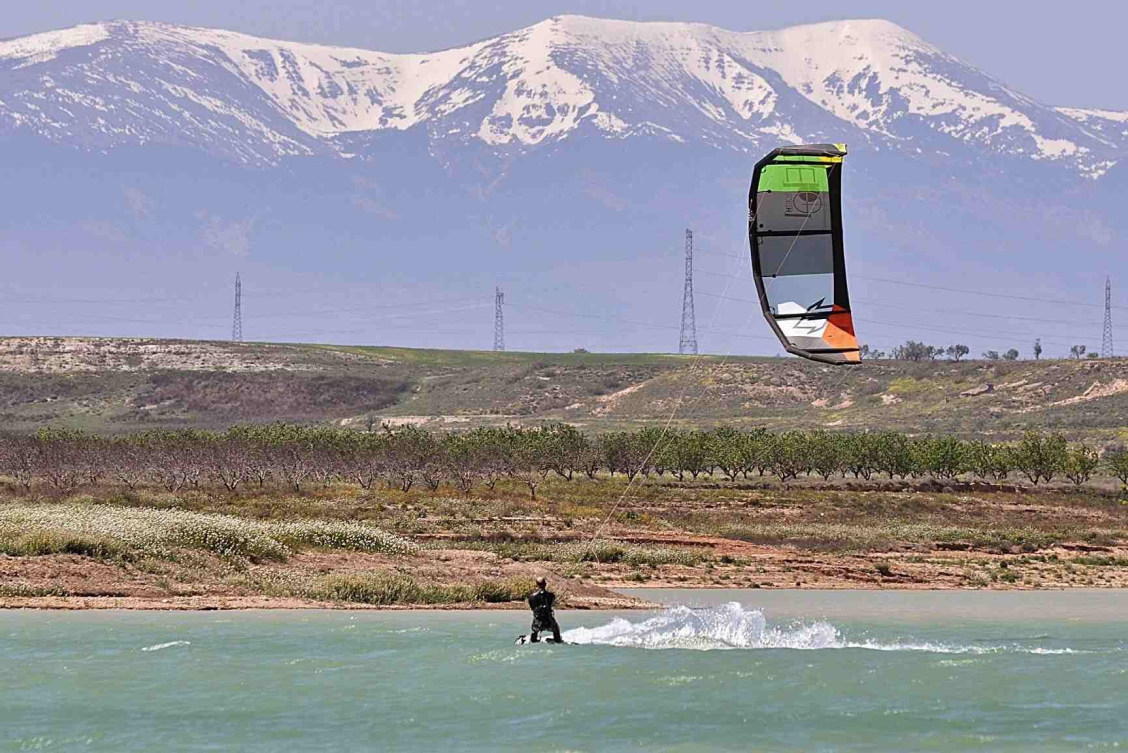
x=541 y=602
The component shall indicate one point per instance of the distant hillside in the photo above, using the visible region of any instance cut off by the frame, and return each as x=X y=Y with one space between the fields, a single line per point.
x=123 y=385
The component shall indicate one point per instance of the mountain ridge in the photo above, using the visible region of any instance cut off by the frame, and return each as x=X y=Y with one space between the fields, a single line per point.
x=545 y=81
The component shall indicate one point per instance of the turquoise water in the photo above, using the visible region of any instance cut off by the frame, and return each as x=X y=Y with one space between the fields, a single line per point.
x=745 y=671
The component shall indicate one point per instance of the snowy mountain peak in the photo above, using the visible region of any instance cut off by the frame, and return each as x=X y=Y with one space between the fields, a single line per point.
x=259 y=100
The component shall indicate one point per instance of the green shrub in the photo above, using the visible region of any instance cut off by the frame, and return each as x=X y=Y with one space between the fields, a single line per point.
x=24 y=590
x=1116 y=460
x=1079 y=464
x=388 y=589
x=41 y=542
x=1040 y=457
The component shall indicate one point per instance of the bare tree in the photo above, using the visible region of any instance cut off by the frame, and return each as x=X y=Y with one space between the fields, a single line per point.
x=128 y=458
x=21 y=458
x=60 y=453
x=229 y=460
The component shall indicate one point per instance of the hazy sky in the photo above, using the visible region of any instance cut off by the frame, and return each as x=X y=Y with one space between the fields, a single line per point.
x=1070 y=56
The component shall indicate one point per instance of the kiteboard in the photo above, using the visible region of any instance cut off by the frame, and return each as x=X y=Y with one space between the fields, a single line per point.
x=524 y=639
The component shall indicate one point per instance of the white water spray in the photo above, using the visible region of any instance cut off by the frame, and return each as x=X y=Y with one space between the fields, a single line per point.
x=163 y=646
x=731 y=626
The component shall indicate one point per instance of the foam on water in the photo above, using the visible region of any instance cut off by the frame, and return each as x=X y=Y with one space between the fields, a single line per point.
x=731 y=626
x=170 y=644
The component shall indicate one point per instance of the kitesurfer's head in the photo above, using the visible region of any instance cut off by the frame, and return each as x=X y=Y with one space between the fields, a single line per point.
x=542 y=582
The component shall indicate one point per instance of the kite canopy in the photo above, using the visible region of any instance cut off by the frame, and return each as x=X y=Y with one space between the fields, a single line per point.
x=795 y=230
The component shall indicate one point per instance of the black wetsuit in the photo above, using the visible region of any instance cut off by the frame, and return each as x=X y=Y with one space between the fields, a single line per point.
x=541 y=601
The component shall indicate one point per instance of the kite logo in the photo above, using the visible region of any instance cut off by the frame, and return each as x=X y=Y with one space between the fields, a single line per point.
x=803 y=321
x=803 y=204
x=814 y=326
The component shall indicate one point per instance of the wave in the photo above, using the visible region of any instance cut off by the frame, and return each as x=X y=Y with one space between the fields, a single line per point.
x=170 y=644
x=731 y=626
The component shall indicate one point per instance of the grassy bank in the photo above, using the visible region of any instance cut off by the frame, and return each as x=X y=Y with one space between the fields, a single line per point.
x=343 y=544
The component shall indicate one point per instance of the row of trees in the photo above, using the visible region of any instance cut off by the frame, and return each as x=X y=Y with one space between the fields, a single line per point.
x=918 y=351
x=405 y=457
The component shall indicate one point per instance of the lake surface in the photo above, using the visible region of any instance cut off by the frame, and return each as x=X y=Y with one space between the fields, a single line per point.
x=744 y=670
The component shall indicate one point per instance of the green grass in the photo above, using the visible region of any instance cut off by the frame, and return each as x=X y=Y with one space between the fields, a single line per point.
x=1098 y=561
x=44 y=541
x=484 y=387
x=429 y=357
x=573 y=552
x=879 y=536
x=388 y=589
x=23 y=590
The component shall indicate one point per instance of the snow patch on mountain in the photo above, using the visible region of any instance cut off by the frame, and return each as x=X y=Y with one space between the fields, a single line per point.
x=541 y=99
x=324 y=90
x=876 y=75
x=1086 y=116
x=1109 y=125
x=40 y=48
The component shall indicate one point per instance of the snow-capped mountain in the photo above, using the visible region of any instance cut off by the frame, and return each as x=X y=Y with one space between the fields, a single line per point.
x=133 y=83
x=117 y=132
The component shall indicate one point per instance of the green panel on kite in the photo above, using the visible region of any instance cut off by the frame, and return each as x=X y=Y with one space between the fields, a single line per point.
x=794 y=178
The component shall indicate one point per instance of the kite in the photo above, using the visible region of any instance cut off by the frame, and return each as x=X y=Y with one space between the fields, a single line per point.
x=798 y=261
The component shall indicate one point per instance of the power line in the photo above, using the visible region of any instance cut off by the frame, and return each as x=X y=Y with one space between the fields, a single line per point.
x=687 y=343
x=949 y=312
x=652 y=325
x=911 y=326
x=305 y=313
x=1032 y=299
x=409 y=315
x=988 y=294
x=914 y=327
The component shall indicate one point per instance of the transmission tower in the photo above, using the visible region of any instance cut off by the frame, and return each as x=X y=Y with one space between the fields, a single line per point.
x=1106 y=341
x=237 y=321
x=688 y=342
x=499 y=320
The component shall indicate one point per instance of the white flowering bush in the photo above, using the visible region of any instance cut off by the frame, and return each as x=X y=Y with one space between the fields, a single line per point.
x=151 y=531
x=43 y=529
x=335 y=534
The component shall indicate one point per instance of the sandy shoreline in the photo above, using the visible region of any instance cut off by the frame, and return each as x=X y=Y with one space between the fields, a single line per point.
x=247 y=603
